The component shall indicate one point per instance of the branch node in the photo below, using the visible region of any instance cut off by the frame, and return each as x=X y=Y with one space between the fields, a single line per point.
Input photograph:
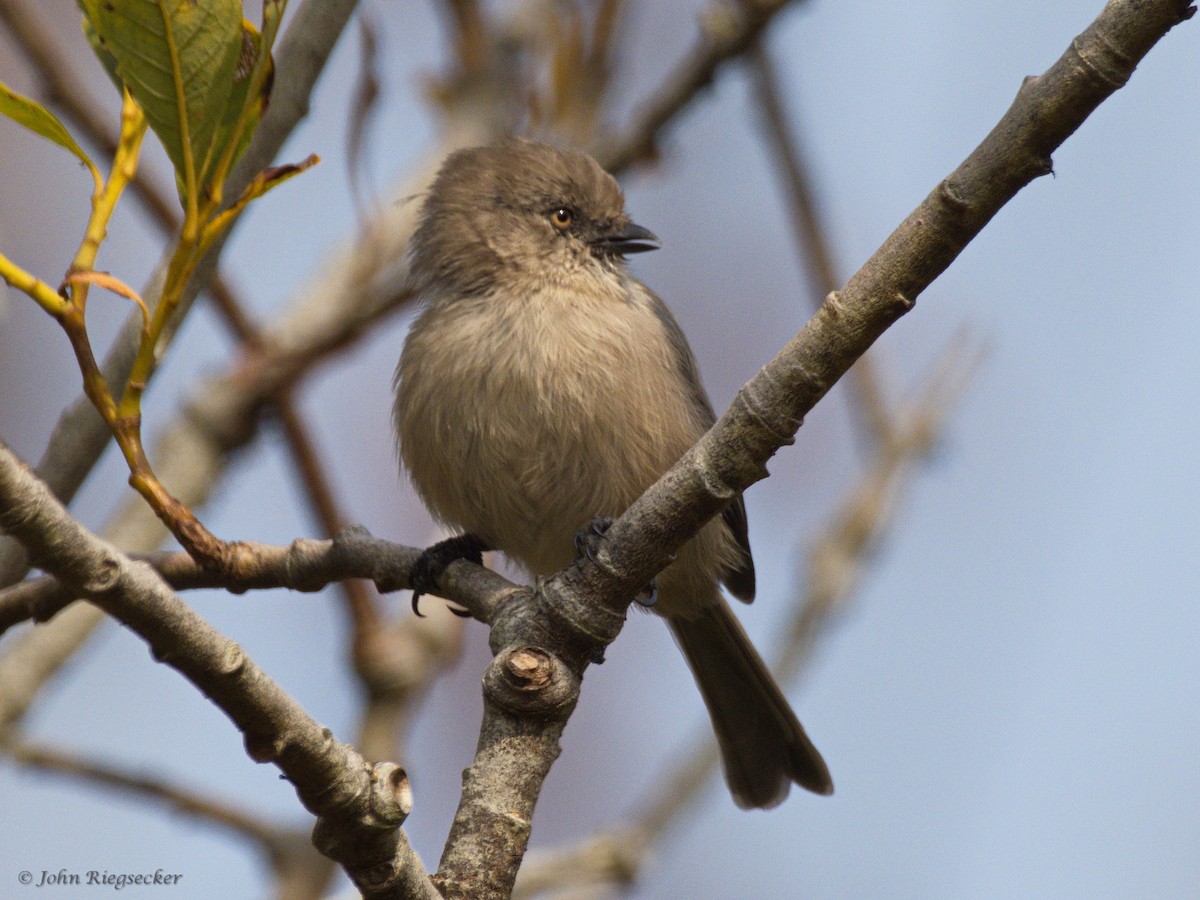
x=398 y=797
x=263 y=748
x=1096 y=64
x=714 y=484
x=951 y=198
x=760 y=403
x=530 y=682
x=233 y=660
x=103 y=577
x=834 y=305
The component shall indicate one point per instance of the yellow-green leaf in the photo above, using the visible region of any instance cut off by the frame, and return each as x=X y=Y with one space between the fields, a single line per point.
x=38 y=119
x=263 y=182
x=177 y=59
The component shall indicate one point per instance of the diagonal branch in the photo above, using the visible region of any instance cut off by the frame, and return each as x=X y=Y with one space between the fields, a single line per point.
x=190 y=803
x=837 y=560
x=812 y=232
x=770 y=408
x=728 y=32
x=360 y=806
x=546 y=642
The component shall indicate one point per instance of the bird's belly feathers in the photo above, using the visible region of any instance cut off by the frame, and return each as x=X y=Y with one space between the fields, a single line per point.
x=520 y=422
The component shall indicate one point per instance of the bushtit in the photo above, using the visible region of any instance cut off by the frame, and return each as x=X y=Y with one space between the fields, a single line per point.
x=542 y=386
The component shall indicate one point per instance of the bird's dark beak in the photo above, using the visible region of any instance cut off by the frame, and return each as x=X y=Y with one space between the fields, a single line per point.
x=630 y=239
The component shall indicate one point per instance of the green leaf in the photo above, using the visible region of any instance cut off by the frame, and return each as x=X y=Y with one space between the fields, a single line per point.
x=251 y=46
x=177 y=59
x=38 y=119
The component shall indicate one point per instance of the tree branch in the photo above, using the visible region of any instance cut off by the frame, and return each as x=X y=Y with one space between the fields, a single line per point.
x=837 y=560
x=728 y=31
x=80 y=435
x=578 y=611
x=304 y=565
x=770 y=407
x=177 y=798
x=360 y=806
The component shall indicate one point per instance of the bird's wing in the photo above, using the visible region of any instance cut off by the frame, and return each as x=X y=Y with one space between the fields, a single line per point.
x=740 y=578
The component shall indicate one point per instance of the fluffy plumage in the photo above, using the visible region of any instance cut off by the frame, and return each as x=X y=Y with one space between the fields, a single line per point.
x=542 y=385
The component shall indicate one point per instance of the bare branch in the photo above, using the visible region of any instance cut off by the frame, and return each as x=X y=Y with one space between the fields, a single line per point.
x=304 y=565
x=727 y=32
x=578 y=611
x=770 y=407
x=360 y=806
x=177 y=798
x=838 y=559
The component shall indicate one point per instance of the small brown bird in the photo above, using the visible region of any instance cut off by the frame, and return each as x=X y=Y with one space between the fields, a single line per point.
x=542 y=386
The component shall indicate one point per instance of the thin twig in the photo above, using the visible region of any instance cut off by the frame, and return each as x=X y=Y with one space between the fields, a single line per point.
x=65 y=90
x=178 y=798
x=726 y=34
x=304 y=565
x=191 y=457
x=80 y=435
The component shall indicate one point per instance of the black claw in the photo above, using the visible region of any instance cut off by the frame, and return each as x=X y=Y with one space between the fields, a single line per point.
x=433 y=562
x=587 y=543
x=587 y=539
x=651 y=595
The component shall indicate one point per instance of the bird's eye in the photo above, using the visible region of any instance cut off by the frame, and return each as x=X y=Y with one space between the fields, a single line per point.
x=562 y=218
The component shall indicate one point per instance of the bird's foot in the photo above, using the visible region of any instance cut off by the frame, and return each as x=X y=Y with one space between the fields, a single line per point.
x=587 y=543
x=433 y=562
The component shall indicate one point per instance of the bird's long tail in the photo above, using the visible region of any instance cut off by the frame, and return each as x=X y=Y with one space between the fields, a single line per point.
x=763 y=746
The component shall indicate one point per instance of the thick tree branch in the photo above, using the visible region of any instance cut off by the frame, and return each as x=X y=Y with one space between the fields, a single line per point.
x=578 y=611
x=544 y=644
x=770 y=408
x=360 y=806
x=837 y=560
